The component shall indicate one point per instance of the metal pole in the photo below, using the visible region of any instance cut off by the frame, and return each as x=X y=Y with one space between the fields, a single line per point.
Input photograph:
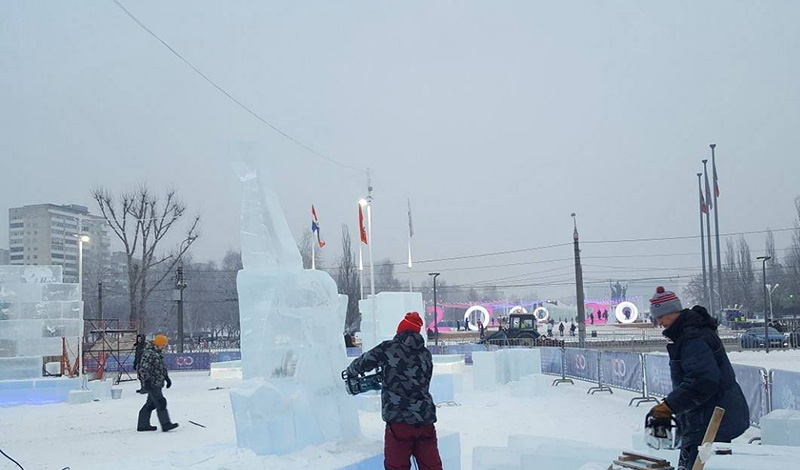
x=360 y=267
x=702 y=241
x=410 y=268
x=716 y=227
x=710 y=255
x=80 y=290
x=371 y=260
x=579 y=286
x=100 y=302
x=764 y=281
x=180 y=286
x=435 y=311
x=313 y=253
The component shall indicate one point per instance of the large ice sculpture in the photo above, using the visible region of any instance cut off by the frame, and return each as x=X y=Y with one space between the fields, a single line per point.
x=292 y=344
x=390 y=308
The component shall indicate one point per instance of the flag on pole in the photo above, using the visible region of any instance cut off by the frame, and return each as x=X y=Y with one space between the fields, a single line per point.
x=361 y=228
x=315 y=226
x=709 y=206
x=703 y=207
x=716 y=181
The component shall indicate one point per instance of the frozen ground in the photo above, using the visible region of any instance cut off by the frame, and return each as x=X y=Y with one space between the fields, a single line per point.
x=102 y=435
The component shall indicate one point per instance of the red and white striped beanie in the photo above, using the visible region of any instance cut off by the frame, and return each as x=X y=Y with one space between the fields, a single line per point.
x=664 y=302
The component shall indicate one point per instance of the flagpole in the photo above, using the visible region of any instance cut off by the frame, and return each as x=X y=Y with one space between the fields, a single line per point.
x=410 y=268
x=716 y=225
x=313 y=255
x=371 y=259
x=702 y=238
x=360 y=267
x=710 y=254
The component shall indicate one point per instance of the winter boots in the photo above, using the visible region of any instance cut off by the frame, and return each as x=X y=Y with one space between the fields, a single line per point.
x=155 y=401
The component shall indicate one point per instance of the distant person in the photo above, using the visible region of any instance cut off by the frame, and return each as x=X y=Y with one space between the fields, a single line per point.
x=572 y=329
x=561 y=329
x=458 y=325
x=406 y=403
x=154 y=375
x=139 y=346
x=702 y=376
x=480 y=328
x=549 y=329
x=591 y=318
x=349 y=341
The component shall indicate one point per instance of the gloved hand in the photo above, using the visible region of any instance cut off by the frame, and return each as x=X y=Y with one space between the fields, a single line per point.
x=661 y=411
x=168 y=381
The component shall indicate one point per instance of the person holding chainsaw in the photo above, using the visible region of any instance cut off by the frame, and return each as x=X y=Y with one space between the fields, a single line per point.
x=406 y=403
x=702 y=379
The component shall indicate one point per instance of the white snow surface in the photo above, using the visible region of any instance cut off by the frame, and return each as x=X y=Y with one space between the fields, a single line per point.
x=102 y=435
x=783 y=359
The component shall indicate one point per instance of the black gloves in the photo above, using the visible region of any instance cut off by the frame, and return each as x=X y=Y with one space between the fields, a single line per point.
x=168 y=381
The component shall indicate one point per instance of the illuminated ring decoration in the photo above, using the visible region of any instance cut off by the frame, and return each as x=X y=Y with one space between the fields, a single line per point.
x=580 y=362
x=518 y=309
x=484 y=316
x=541 y=314
x=619 y=312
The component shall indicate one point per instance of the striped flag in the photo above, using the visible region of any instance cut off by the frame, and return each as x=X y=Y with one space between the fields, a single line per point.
x=716 y=181
x=315 y=226
x=703 y=206
x=361 y=228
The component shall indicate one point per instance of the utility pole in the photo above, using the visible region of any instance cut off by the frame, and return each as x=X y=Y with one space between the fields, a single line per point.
x=764 y=281
x=180 y=284
x=579 y=287
x=435 y=310
x=100 y=302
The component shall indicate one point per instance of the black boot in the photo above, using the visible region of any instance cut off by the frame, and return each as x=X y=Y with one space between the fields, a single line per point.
x=168 y=426
x=146 y=428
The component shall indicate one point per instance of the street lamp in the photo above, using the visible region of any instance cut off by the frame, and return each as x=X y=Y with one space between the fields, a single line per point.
x=81 y=240
x=770 y=290
x=435 y=310
x=764 y=281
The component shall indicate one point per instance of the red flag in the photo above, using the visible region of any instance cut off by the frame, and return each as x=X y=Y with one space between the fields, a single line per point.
x=361 y=227
x=703 y=206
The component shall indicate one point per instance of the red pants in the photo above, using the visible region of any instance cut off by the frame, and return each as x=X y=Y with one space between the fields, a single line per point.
x=401 y=441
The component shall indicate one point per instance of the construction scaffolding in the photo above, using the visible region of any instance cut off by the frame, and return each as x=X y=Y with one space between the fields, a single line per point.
x=109 y=347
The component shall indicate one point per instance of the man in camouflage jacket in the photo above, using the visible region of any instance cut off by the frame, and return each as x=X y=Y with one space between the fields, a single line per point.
x=406 y=403
x=153 y=374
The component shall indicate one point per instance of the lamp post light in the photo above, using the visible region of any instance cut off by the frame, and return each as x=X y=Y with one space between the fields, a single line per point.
x=81 y=240
x=764 y=281
x=435 y=310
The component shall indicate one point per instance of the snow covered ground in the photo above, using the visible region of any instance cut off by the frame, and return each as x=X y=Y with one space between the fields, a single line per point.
x=102 y=435
x=784 y=359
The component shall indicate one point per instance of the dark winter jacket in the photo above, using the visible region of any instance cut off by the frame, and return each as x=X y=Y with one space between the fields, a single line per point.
x=702 y=378
x=137 y=355
x=152 y=371
x=407 y=368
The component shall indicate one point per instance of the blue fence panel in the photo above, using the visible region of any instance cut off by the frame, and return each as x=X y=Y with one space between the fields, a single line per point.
x=752 y=381
x=656 y=368
x=188 y=361
x=228 y=356
x=581 y=364
x=785 y=391
x=622 y=370
x=551 y=360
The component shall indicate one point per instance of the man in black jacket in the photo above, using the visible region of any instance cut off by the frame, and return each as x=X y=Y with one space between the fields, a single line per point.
x=702 y=376
x=153 y=374
x=406 y=403
x=139 y=346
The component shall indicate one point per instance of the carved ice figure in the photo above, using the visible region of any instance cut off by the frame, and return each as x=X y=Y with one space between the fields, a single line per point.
x=292 y=344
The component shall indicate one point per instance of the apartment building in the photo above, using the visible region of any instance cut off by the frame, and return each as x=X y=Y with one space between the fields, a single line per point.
x=47 y=234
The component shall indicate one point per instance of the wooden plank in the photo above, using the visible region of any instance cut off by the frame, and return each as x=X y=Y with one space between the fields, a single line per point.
x=711 y=434
x=637 y=466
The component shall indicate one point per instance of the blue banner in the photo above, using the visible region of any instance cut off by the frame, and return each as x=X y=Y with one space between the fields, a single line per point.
x=227 y=356
x=582 y=364
x=622 y=370
x=656 y=368
x=752 y=380
x=187 y=361
x=785 y=390
x=551 y=360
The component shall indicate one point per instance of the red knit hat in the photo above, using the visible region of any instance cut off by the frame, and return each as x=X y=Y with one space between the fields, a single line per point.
x=411 y=322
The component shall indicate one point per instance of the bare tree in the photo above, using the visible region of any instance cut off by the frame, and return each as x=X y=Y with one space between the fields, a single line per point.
x=746 y=275
x=348 y=281
x=141 y=220
x=305 y=251
x=385 y=279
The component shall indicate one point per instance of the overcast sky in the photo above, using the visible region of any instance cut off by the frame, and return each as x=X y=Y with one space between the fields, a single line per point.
x=497 y=119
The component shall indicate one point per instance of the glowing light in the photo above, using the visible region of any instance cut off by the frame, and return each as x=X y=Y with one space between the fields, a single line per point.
x=626 y=312
x=541 y=314
x=484 y=316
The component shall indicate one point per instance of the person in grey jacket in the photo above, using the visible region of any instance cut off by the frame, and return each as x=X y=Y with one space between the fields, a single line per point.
x=153 y=374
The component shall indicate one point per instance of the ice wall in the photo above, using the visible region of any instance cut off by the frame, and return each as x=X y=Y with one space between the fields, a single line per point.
x=292 y=345
x=36 y=310
x=390 y=308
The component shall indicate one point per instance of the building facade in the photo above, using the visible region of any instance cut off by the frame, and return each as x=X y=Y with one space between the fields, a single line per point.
x=47 y=234
x=4 y=257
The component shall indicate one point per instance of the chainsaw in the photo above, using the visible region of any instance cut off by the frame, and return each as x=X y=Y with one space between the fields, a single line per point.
x=362 y=383
x=661 y=433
